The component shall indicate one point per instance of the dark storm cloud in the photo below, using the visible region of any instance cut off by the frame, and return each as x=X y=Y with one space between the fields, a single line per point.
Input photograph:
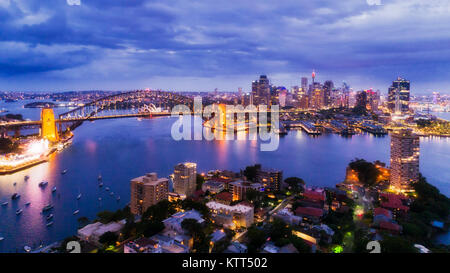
x=125 y=42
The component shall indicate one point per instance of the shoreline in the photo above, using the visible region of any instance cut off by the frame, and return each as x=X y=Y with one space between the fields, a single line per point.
x=35 y=162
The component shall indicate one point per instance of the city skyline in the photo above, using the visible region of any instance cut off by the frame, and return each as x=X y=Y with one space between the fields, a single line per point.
x=97 y=45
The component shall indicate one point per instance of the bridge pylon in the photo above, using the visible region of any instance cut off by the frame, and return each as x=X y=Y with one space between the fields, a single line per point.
x=49 y=129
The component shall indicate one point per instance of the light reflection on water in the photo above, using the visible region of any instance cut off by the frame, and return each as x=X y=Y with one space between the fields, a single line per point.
x=127 y=148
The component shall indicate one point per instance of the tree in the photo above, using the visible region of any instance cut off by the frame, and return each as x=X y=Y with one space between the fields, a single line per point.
x=300 y=245
x=160 y=211
x=279 y=232
x=367 y=172
x=294 y=183
x=191 y=226
x=200 y=181
x=396 y=244
x=152 y=227
x=108 y=238
x=200 y=238
x=251 y=171
x=256 y=238
x=105 y=216
x=83 y=221
x=7 y=145
x=188 y=204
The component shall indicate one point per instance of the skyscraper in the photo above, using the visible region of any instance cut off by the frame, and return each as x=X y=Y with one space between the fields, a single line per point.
x=373 y=99
x=405 y=150
x=146 y=191
x=261 y=91
x=316 y=97
x=185 y=178
x=304 y=84
x=398 y=96
x=361 y=99
x=327 y=89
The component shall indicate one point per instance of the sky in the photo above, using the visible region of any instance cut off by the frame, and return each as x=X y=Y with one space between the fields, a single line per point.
x=62 y=45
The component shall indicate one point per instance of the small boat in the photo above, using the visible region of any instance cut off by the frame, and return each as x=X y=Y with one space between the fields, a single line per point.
x=99 y=199
x=19 y=211
x=49 y=223
x=100 y=185
x=4 y=204
x=107 y=189
x=79 y=196
x=54 y=189
x=27 y=248
x=76 y=212
x=27 y=204
x=2 y=238
x=49 y=217
x=118 y=198
x=111 y=193
x=99 y=177
x=47 y=208
x=43 y=184
x=15 y=196
x=64 y=172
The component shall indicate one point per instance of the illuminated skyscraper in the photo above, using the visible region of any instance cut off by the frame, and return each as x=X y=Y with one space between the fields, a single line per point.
x=398 y=96
x=304 y=85
x=327 y=89
x=185 y=178
x=316 y=97
x=405 y=150
x=261 y=91
x=361 y=99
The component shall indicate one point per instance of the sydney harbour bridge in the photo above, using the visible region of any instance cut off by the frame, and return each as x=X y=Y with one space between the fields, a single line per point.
x=140 y=103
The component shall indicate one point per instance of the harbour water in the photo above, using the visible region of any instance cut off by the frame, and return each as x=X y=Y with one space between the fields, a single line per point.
x=122 y=149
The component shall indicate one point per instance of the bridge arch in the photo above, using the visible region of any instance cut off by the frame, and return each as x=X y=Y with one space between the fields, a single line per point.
x=138 y=101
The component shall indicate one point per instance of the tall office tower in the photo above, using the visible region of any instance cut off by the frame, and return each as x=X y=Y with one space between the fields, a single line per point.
x=254 y=93
x=405 y=150
x=398 y=96
x=346 y=94
x=240 y=95
x=316 y=96
x=261 y=91
x=185 y=178
x=264 y=90
x=304 y=83
x=373 y=100
x=361 y=99
x=146 y=191
x=327 y=89
x=282 y=97
x=304 y=101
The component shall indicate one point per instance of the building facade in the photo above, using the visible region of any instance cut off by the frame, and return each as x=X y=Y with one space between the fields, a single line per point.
x=405 y=151
x=270 y=178
x=185 y=178
x=146 y=191
x=239 y=189
x=231 y=216
x=398 y=96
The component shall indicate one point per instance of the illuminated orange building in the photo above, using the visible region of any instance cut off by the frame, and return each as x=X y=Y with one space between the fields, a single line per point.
x=49 y=130
x=223 y=115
